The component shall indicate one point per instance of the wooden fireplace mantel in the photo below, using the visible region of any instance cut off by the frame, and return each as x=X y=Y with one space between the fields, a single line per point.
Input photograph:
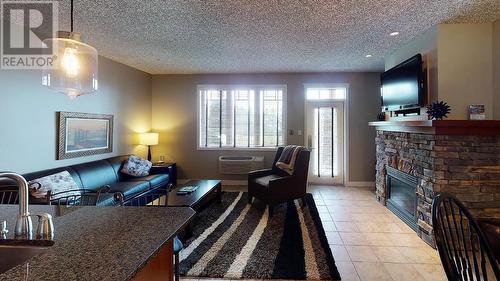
x=441 y=127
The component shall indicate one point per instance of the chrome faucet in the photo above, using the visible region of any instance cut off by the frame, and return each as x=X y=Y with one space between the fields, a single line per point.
x=24 y=226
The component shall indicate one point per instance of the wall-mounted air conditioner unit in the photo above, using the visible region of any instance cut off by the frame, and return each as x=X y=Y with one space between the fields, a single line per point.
x=239 y=165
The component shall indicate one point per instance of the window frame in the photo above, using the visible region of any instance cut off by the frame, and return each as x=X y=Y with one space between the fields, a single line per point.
x=229 y=88
x=346 y=136
x=325 y=85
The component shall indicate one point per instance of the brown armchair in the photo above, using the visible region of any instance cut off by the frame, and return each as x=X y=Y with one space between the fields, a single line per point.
x=274 y=186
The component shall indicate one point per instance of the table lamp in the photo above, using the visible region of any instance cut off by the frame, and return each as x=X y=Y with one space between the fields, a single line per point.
x=148 y=139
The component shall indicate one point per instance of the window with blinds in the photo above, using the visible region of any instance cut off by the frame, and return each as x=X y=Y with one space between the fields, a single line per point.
x=241 y=116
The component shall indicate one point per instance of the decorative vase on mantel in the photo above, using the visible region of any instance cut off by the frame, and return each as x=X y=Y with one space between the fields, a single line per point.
x=438 y=110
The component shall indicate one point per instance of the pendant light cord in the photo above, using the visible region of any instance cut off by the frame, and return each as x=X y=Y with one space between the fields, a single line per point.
x=71 y=16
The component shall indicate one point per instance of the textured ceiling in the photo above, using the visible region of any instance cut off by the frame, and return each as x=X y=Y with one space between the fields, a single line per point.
x=227 y=36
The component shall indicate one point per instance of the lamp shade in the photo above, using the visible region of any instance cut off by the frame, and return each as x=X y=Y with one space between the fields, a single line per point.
x=148 y=138
x=75 y=69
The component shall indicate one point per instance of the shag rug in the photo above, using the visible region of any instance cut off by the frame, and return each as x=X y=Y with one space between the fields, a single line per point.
x=234 y=239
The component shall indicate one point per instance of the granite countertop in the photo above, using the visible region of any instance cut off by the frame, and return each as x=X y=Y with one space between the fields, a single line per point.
x=98 y=243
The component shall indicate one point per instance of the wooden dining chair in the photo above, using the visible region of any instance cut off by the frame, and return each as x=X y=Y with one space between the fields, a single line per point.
x=80 y=197
x=462 y=246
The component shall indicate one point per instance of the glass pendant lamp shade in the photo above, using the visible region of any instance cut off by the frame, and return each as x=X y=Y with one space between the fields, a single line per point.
x=75 y=66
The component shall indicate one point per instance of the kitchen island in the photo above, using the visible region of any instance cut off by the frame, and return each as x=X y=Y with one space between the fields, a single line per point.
x=99 y=243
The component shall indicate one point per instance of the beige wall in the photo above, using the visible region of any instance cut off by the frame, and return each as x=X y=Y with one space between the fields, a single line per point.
x=28 y=115
x=425 y=44
x=174 y=116
x=465 y=64
x=460 y=60
x=496 y=69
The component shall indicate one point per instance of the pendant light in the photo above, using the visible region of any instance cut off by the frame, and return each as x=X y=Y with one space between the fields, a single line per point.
x=74 y=71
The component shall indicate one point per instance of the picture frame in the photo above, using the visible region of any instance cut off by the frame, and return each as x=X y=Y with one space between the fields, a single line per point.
x=476 y=112
x=84 y=134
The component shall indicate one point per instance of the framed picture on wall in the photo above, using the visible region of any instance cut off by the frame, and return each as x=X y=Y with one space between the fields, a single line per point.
x=84 y=134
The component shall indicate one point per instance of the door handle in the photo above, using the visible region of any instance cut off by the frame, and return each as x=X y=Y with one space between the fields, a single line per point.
x=309 y=142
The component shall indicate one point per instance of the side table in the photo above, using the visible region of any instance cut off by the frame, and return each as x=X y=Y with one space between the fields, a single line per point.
x=167 y=168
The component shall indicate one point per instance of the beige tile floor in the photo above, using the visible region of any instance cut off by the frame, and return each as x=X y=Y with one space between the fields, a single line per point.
x=368 y=241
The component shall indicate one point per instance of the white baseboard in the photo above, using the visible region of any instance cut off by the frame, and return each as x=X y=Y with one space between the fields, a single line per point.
x=224 y=182
x=360 y=183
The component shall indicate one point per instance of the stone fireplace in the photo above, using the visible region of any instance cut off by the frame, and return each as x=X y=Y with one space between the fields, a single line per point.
x=457 y=157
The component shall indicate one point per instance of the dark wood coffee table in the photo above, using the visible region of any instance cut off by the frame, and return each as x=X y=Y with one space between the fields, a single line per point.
x=195 y=199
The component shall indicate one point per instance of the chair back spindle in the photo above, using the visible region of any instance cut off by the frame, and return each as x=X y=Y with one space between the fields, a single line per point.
x=151 y=199
x=70 y=198
x=9 y=196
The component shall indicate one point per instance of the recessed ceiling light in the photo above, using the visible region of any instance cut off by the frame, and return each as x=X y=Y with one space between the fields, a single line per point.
x=369 y=56
x=395 y=33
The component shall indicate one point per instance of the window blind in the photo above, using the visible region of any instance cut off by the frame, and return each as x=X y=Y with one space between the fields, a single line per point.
x=241 y=116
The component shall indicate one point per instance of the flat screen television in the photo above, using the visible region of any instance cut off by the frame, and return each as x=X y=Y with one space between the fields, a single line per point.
x=403 y=85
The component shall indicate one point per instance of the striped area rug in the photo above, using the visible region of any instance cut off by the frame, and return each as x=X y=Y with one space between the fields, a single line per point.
x=237 y=240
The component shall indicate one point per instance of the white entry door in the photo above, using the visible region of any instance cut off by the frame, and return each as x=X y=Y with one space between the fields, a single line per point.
x=325 y=137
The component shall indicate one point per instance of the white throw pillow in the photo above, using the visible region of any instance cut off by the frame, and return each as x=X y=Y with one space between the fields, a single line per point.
x=55 y=183
x=136 y=166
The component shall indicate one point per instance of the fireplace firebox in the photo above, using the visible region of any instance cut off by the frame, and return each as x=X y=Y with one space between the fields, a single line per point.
x=401 y=195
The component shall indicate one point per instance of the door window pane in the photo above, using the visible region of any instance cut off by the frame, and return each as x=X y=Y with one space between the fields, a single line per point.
x=325 y=145
x=333 y=93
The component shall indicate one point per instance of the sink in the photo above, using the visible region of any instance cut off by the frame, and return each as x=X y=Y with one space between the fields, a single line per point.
x=11 y=256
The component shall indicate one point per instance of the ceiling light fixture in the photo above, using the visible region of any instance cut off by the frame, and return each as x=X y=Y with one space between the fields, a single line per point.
x=369 y=56
x=75 y=70
x=395 y=33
